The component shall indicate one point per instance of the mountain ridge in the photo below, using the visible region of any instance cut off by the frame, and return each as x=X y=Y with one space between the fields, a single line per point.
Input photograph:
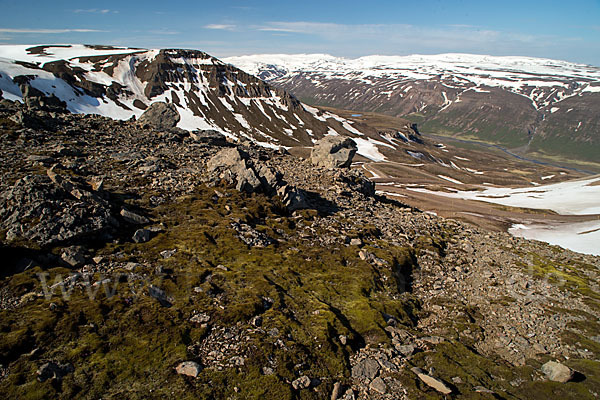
x=209 y=94
x=538 y=105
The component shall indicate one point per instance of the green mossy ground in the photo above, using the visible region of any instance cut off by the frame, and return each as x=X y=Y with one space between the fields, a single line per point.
x=126 y=345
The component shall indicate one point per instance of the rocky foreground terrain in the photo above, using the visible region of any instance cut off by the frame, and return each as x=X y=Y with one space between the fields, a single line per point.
x=144 y=261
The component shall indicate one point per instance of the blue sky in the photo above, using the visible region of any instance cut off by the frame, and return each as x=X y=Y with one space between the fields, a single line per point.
x=568 y=30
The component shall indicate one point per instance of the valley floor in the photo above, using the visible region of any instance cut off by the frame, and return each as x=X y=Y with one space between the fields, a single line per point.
x=569 y=227
x=488 y=186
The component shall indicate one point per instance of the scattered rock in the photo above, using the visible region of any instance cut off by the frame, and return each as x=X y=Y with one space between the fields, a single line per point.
x=293 y=198
x=484 y=287
x=378 y=385
x=159 y=295
x=301 y=383
x=200 y=318
x=209 y=136
x=269 y=177
x=39 y=159
x=251 y=236
x=168 y=253
x=335 y=393
x=230 y=164
x=37 y=209
x=73 y=256
x=433 y=339
x=141 y=236
x=406 y=350
x=366 y=369
x=133 y=218
x=356 y=242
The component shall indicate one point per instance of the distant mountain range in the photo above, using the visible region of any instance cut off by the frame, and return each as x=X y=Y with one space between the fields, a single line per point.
x=529 y=104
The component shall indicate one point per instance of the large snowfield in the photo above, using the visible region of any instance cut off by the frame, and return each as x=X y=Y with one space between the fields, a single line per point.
x=583 y=237
x=577 y=197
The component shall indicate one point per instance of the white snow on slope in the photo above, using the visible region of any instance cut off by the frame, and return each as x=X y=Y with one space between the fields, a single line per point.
x=463 y=71
x=526 y=69
x=583 y=237
x=12 y=58
x=368 y=148
x=577 y=197
x=55 y=53
x=450 y=179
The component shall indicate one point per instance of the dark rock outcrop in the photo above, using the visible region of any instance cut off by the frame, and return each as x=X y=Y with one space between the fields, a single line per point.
x=45 y=211
x=52 y=370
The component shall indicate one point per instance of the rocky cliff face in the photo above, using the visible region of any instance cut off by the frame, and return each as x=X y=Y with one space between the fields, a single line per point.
x=545 y=105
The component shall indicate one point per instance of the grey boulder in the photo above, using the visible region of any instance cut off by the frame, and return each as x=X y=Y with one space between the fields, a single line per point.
x=160 y=116
x=333 y=152
x=141 y=236
x=366 y=369
x=231 y=164
x=189 y=368
x=557 y=372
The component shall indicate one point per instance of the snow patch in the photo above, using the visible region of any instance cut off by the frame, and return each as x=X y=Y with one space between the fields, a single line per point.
x=450 y=179
x=368 y=148
x=577 y=197
x=582 y=237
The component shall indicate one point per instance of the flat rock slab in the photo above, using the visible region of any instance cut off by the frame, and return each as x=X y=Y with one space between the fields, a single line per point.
x=432 y=382
x=133 y=218
x=378 y=385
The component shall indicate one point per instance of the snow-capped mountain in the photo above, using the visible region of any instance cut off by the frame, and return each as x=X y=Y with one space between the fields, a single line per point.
x=122 y=82
x=544 y=104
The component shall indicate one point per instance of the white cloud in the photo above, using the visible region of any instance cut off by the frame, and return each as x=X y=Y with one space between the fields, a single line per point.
x=317 y=28
x=35 y=30
x=361 y=39
x=165 y=32
x=226 y=27
x=95 y=11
